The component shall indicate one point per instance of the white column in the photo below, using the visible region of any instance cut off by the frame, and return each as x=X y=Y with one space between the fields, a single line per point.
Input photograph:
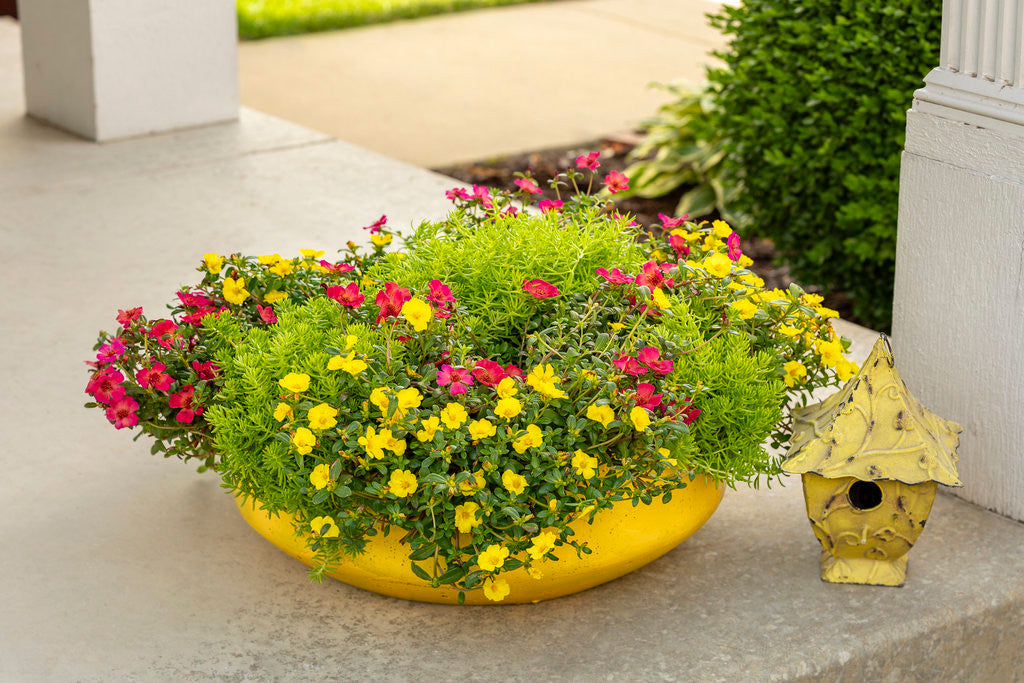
x=108 y=69
x=958 y=318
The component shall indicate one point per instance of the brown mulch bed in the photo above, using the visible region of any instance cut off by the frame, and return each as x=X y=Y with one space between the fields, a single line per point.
x=545 y=164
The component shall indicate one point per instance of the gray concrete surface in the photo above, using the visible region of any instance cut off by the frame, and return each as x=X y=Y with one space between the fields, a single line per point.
x=467 y=86
x=117 y=565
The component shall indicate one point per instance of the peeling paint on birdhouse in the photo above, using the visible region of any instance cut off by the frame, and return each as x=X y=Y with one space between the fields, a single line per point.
x=871 y=458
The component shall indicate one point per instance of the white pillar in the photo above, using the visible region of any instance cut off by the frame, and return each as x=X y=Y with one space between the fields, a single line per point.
x=108 y=69
x=958 y=315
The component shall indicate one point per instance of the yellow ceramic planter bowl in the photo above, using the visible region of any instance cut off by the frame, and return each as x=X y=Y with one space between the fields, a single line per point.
x=622 y=539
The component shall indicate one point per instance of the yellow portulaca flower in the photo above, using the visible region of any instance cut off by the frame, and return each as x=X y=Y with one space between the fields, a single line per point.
x=417 y=312
x=467 y=488
x=295 y=382
x=789 y=331
x=795 y=372
x=831 y=352
x=396 y=446
x=616 y=326
x=320 y=477
x=586 y=465
x=718 y=264
x=603 y=414
x=273 y=296
x=454 y=415
x=508 y=408
x=845 y=369
x=711 y=243
x=481 y=429
x=496 y=589
x=826 y=312
x=269 y=259
x=465 y=517
x=543 y=543
x=283 y=411
x=311 y=253
x=408 y=398
x=659 y=299
x=350 y=341
x=283 y=268
x=213 y=261
x=640 y=418
x=811 y=299
x=589 y=375
x=493 y=557
x=374 y=443
x=381 y=240
x=513 y=483
x=234 y=290
x=721 y=229
x=745 y=262
x=322 y=417
x=430 y=427
x=402 y=483
x=752 y=280
x=531 y=439
x=506 y=388
x=303 y=441
x=542 y=379
x=379 y=398
x=317 y=524
x=746 y=308
x=349 y=364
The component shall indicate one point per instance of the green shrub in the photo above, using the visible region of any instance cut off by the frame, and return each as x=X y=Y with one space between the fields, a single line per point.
x=812 y=104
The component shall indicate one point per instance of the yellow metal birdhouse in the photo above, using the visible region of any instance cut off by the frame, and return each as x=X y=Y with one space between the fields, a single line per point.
x=871 y=458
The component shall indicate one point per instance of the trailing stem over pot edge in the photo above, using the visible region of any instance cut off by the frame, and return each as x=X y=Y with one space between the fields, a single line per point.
x=510 y=373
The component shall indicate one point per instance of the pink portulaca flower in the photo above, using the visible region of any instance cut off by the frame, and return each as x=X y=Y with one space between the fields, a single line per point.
x=207 y=370
x=615 y=277
x=653 y=276
x=488 y=372
x=267 y=314
x=110 y=351
x=458 y=380
x=629 y=365
x=185 y=400
x=540 y=289
x=616 y=182
x=527 y=185
x=548 y=205
x=126 y=318
x=668 y=222
x=105 y=386
x=336 y=267
x=650 y=356
x=377 y=225
x=482 y=193
x=391 y=299
x=457 y=193
x=121 y=412
x=588 y=161
x=441 y=298
x=347 y=295
x=645 y=396
x=193 y=299
x=155 y=377
x=680 y=246
x=733 y=243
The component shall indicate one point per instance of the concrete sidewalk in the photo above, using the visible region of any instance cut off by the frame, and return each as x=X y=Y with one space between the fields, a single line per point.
x=471 y=85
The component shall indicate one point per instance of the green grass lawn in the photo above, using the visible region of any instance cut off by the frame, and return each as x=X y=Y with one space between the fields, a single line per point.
x=265 y=18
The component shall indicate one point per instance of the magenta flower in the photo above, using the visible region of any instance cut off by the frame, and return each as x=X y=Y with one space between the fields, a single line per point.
x=122 y=412
x=197 y=316
x=459 y=379
x=267 y=314
x=391 y=299
x=616 y=182
x=616 y=277
x=527 y=185
x=441 y=296
x=548 y=205
x=540 y=289
x=629 y=365
x=488 y=372
x=105 y=386
x=154 y=376
x=645 y=396
x=685 y=410
x=193 y=299
x=484 y=195
x=110 y=351
x=668 y=222
x=733 y=242
x=184 y=400
x=588 y=161
x=457 y=193
x=207 y=370
x=649 y=356
x=336 y=267
x=377 y=225
x=679 y=244
x=127 y=317
x=652 y=276
x=347 y=295
x=510 y=211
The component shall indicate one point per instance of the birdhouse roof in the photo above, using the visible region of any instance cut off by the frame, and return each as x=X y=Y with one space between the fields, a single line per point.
x=873 y=429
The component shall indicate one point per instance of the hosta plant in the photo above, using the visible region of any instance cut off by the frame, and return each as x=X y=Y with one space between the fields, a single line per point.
x=512 y=372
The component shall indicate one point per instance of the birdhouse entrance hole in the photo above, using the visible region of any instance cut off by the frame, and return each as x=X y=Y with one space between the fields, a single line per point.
x=865 y=495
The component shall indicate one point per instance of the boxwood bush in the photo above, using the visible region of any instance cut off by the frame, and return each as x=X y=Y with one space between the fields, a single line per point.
x=812 y=104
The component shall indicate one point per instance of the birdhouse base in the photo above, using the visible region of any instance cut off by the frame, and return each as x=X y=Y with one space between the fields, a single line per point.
x=863 y=571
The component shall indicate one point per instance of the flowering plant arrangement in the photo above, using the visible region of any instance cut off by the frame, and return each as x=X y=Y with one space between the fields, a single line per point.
x=512 y=372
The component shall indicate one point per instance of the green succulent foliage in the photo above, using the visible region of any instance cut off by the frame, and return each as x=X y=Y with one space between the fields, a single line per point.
x=811 y=104
x=681 y=148
x=485 y=264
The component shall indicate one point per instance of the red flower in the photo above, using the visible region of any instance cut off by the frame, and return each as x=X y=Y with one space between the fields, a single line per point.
x=347 y=295
x=649 y=356
x=122 y=412
x=184 y=400
x=540 y=289
x=488 y=372
x=377 y=225
x=616 y=182
x=164 y=332
x=652 y=276
x=733 y=242
x=616 y=277
x=127 y=317
x=155 y=377
x=391 y=299
x=669 y=223
x=105 y=386
x=588 y=161
x=629 y=365
x=336 y=268
x=267 y=314
x=513 y=371
x=197 y=317
x=193 y=299
x=680 y=245
x=459 y=379
x=457 y=193
x=550 y=205
x=685 y=410
x=527 y=185
x=207 y=370
x=645 y=396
